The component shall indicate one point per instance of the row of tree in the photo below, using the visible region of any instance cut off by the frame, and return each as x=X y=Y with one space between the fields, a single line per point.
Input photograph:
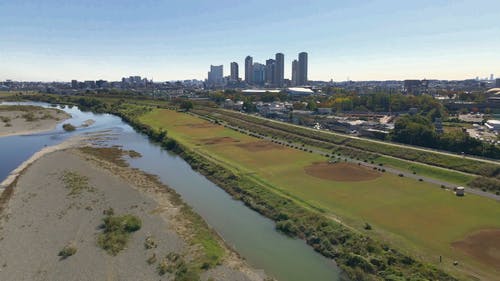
x=419 y=130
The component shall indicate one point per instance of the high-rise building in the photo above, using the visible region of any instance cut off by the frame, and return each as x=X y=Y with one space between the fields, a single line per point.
x=249 y=70
x=497 y=83
x=279 y=73
x=492 y=77
x=295 y=66
x=234 y=72
x=302 y=70
x=259 y=73
x=270 y=70
x=74 y=84
x=215 y=75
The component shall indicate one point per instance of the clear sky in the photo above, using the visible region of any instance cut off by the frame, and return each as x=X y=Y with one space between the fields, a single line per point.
x=60 y=40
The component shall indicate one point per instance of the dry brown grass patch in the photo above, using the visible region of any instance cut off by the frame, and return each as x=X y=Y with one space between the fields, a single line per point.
x=219 y=140
x=483 y=245
x=260 y=146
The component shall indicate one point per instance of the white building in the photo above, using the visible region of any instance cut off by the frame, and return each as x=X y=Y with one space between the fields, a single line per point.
x=493 y=125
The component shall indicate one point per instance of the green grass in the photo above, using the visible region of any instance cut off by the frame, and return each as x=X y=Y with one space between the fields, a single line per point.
x=116 y=232
x=427 y=171
x=416 y=216
x=75 y=182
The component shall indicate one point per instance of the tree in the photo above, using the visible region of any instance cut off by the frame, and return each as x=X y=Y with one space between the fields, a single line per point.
x=186 y=105
x=414 y=130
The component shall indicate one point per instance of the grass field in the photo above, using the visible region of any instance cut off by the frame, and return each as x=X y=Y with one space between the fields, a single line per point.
x=412 y=215
x=426 y=170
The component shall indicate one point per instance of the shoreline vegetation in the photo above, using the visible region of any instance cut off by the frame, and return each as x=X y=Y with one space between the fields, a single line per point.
x=140 y=220
x=26 y=119
x=359 y=256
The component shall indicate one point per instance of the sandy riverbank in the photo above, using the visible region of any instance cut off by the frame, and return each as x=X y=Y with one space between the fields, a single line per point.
x=21 y=120
x=41 y=217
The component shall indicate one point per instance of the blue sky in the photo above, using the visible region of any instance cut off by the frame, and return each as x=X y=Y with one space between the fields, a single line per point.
x=59 y=40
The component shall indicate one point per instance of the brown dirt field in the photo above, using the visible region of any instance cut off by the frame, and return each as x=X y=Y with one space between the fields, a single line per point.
x=340 y=172
x=219 y=140
x=260 y=146
x=483 y=245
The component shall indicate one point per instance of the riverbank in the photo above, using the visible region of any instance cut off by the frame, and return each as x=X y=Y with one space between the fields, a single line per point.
x=22 y=119
x=47 y=215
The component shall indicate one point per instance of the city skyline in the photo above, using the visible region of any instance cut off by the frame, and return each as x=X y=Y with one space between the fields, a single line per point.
x=373 y=40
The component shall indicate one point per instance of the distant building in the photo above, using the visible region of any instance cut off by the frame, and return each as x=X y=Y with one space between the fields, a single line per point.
x=259 y=73
x=493 y=125
x=249 y=70
x=497 y=82
x=279 y=73
x=89 y=84
x=298 y=91
x=270 y=72
x=415 y=87
x=215 y=75
x=101 y=83
x=295 y=66
x=74 y=84
x=302 y=70
x=234 y=72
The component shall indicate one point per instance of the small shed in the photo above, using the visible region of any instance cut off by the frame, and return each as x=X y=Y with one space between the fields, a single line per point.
x=460 y=191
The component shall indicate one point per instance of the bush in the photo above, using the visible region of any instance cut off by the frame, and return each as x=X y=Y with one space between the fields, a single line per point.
x=151 y=259
x=67 y=251
x=116 y=231
x=150 y=243
x=29 y=117
x=68 y=127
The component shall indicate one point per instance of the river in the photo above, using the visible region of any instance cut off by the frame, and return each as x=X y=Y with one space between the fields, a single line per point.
x=252 y=235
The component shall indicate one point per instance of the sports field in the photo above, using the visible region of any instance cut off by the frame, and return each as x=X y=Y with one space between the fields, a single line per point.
x=412 y=215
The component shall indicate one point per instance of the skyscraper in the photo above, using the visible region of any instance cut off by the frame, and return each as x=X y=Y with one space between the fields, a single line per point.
x=279 y=72
x=234 y=72
x=270 y=70
x=215 y=75
x=259 y=73
x=295 y=66
x=302 y=70
x=249 y=70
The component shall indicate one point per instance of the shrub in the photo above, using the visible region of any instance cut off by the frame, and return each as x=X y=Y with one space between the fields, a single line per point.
x=401 y=175
x=368 y=226
x=68 y=127
x=150 y=243
x=67 y=251
x=29 y=116
x=151 y=259
x=116 y=231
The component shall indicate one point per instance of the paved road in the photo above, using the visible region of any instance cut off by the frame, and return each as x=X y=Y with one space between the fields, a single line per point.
x=438 y=183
